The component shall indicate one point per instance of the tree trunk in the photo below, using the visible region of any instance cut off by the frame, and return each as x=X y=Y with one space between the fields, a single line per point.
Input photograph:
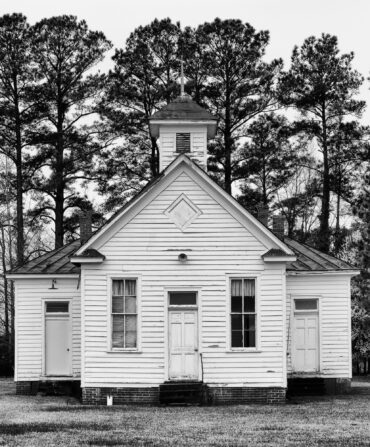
x=324 y=238
x=5 y=286
x=337 y=213
x=19 y=166
x=228 y=143
x=59 y=174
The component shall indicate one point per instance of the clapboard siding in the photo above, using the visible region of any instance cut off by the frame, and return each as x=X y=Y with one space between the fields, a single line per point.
x=30 y=294
x=333 y=292
x=217 y=244
x=198 y=144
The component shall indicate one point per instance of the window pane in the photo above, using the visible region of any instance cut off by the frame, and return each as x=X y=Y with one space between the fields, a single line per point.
x=249 y=304
x=236 y=304
x=249 y=339
x=236 y=339
x=306 y=304
x=236 y=287
x=130 y=339
x=117 y=287
x=236 y=322
x=118 y=331
x=130 y=323
x=131 y=331
x=117 y=305
x=183 y=298
x=130 y=287
x=249 y=288
x=130 y=304
x=249 y=322
x=57 y=306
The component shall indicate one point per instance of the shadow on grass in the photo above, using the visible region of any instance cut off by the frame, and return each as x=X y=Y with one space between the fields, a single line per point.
x=23 y=428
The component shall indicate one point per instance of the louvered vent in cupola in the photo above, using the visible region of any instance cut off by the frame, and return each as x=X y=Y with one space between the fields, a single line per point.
x=183 y=142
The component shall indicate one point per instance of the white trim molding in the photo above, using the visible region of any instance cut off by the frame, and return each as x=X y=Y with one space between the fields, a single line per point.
x=243 y=275
x=322 y=272
x=41 y=276
x=124 y=276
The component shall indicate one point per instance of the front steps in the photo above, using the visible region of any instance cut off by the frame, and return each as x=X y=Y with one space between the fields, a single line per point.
x=182 y=393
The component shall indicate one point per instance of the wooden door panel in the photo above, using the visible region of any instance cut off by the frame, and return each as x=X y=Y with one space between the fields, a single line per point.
x=183 y=334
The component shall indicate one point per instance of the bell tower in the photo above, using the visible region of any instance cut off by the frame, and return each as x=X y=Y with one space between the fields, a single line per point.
x=183 y=127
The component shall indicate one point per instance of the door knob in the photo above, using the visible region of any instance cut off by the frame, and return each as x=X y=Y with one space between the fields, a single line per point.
x=67 y=349
x=195 y=350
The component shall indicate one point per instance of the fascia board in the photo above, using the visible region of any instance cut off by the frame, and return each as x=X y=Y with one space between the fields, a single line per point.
x=41 y=275
x=279 y=258
x=322 y=272
x=84 y=260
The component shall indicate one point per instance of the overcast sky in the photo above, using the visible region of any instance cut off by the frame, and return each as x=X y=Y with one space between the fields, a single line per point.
x=289 y=21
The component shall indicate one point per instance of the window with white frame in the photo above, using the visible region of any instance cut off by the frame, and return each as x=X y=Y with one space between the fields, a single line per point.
x=124 y=313
x=243 y=313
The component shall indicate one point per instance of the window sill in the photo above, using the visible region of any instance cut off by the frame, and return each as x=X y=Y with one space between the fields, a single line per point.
x=124 y=351
x=243 y=351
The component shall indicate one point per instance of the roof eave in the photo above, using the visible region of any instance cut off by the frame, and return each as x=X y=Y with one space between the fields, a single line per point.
x=343 y=272
x=77 y=260
x=41 y=275
x=211 y=125
x=287 y=258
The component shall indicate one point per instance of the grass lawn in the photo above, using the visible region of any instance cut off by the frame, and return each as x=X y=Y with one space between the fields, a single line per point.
x=60 y=421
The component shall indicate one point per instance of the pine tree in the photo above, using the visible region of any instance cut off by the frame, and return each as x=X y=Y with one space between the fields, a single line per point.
x=18 y=114
x=143 y=80
x=237 y=84
x=267 y=160
x=65 y=52
x=322 y=84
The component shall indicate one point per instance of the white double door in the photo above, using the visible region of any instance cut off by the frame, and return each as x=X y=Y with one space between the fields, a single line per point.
x=183 y=345
x=306 y=342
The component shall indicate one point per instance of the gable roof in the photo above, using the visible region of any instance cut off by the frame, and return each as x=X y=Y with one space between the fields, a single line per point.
x=58 y=261
x=184 y=160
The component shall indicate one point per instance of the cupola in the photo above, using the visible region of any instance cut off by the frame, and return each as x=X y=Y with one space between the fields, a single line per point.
x=183 y=127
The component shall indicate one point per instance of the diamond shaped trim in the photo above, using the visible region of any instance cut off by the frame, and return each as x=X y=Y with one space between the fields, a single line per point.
x=183 y=212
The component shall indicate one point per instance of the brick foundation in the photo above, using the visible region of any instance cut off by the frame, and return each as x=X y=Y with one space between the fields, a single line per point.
x=27 y=388
x=49 y=388
x=121 y=396
x=245 y=395
x=212 y=395
x=318 y=386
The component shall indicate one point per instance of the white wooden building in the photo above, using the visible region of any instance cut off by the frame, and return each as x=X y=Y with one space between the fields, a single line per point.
x=183 y=286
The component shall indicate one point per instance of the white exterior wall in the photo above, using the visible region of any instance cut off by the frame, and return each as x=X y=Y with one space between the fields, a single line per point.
x=167 y=143
x=30 y=325
x=333 y=293
x=217 y=245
